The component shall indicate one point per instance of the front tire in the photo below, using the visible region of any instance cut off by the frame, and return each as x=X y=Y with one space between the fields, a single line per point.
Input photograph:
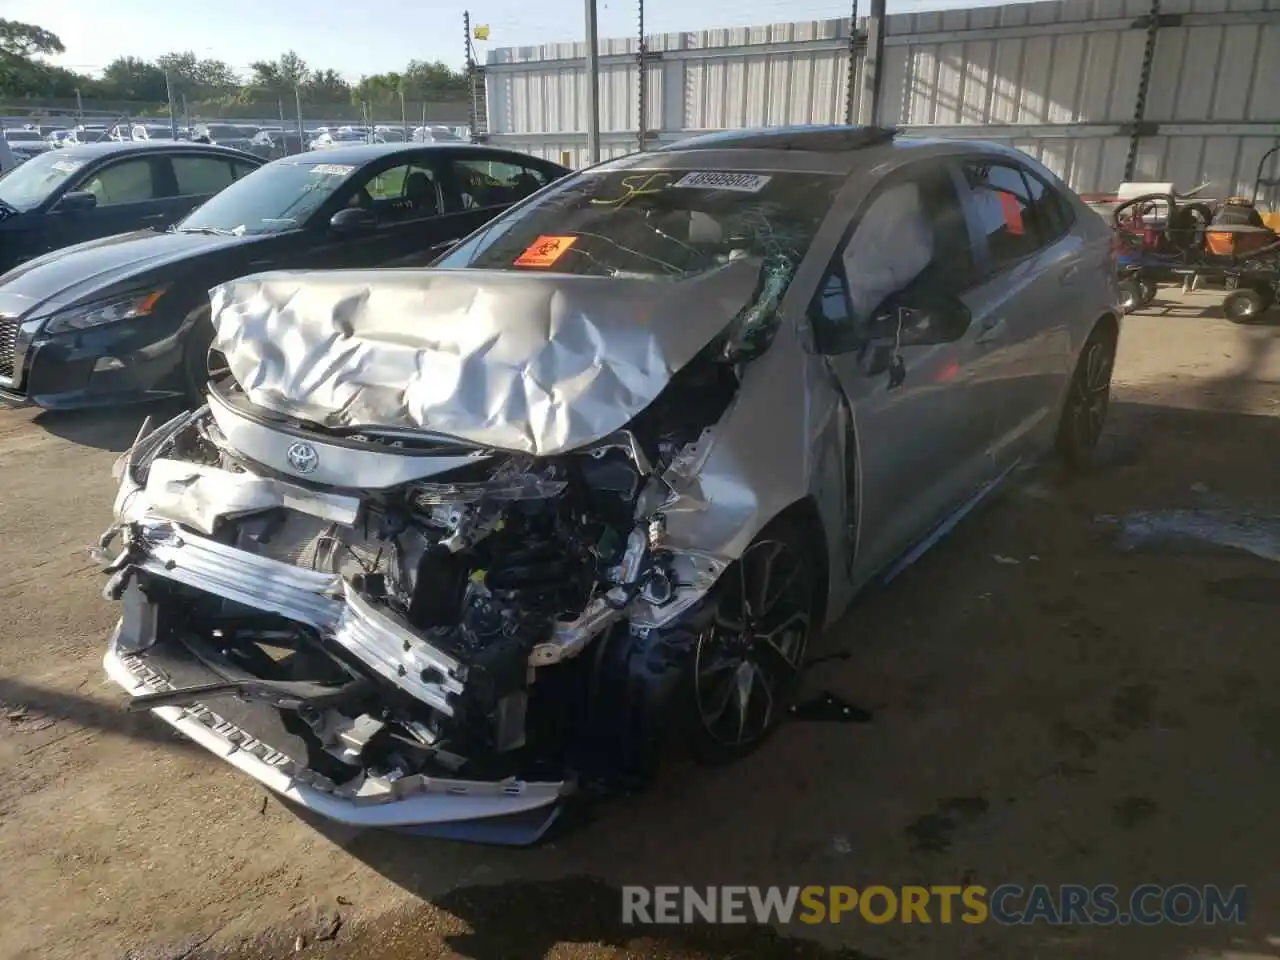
x=200 y=363
x=1085 y=412
x=749 y=644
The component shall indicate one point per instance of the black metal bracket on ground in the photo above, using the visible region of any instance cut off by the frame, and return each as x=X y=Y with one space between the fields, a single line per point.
x=829 y=708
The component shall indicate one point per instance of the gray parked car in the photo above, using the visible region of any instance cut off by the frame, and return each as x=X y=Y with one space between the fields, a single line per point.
x=447 y=546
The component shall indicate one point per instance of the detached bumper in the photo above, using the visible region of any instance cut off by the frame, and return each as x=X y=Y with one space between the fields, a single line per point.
x=415 y=802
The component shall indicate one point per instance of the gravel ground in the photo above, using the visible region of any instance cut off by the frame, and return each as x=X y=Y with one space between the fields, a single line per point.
x=1082 y=715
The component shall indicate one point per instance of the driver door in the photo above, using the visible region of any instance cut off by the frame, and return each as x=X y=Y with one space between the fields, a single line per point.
x=923 y=436
x=403 y=194
x=133 y=193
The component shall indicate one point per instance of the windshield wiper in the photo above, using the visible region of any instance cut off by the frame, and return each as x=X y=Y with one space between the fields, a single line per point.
x=8 y=209
x=208 y=231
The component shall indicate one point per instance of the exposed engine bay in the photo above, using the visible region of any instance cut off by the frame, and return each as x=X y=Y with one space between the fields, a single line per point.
x=426 y=634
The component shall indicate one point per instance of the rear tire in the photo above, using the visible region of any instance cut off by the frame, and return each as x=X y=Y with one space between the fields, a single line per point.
x=1085 y=412
x=1149 y=291
x=1245 y=306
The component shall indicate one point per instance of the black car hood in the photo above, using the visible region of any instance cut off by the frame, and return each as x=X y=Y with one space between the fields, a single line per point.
x=86 y=271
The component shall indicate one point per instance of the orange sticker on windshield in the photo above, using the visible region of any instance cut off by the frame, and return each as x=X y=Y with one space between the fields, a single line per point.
x=545 y=251
x=1012 y=213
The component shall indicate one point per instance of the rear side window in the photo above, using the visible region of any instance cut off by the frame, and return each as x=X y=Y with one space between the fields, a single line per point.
x=1004 y=210
x=1049 y=208
x=494 y=183
x=201 y=176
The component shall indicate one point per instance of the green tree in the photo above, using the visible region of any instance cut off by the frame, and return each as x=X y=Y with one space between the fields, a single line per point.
x=198 y=79
x=20 y=72
x=132 y=78
x=327 y=86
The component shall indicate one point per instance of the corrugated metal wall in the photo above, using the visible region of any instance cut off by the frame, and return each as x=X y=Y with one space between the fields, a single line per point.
x=1056 y=79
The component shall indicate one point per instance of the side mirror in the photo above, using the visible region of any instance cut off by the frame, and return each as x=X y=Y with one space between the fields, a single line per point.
x=919 y=320
x=352 y=221
x=76 y=201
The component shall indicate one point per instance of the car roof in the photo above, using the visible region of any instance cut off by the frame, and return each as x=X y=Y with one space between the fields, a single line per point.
x=365 y=152
x=835 y=148
x=811 y=138
x=108 y=148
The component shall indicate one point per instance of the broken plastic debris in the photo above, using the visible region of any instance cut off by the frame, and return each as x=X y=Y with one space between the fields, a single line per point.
x=1258 y=535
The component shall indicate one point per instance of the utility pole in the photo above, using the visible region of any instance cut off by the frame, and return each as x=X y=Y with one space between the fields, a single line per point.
x=872 y=79
x=593 y=85
x=644 y=81
x=850 y=103
x=173 y=113
x=472 y=118
x=302 y=137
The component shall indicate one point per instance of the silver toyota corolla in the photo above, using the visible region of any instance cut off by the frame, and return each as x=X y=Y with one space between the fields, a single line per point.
x=449 y=546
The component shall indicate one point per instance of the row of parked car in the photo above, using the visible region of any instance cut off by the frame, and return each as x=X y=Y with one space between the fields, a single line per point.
x=268 y=142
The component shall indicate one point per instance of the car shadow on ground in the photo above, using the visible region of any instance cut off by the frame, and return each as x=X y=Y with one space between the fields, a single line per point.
x=1070 y=713
x=113 y=430
x=29 y=709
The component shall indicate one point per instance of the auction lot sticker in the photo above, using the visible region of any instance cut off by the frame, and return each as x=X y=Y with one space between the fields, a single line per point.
x=723 y=180
x=545 y=251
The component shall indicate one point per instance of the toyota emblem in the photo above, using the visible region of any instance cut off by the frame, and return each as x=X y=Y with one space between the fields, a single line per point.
x=303 y=457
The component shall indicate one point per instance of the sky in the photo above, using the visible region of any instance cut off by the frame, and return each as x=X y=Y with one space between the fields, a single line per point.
x=356 y=40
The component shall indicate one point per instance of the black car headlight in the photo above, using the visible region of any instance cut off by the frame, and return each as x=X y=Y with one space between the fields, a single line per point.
x=109 y=311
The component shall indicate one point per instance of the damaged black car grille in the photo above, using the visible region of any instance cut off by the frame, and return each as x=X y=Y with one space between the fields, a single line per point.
x=8 y=345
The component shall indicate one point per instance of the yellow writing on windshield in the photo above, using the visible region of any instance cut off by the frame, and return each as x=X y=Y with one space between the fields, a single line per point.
x=637 y=186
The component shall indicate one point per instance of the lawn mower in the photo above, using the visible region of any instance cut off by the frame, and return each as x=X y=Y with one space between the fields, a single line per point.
x=1161 y=240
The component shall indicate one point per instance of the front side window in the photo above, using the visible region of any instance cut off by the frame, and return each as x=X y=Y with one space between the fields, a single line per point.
x=494 y=183
x=29 y=185
x=1003 y=206
x=929 y=251
x=657 y=223
x=274 y=198
x=406 y=192
x=129 y=181
x=201 y=176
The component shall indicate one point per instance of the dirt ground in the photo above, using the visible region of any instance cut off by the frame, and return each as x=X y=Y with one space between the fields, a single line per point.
x=1080 y=715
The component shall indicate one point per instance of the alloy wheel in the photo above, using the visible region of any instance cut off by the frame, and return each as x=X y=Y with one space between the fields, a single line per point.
x=1091 y=394
x=749 y=656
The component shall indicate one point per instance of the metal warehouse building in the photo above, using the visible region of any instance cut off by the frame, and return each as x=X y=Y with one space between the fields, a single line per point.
x=1099 y=90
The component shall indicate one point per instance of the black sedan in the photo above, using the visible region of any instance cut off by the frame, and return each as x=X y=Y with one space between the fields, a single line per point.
x=85 y=191
x=125 y=318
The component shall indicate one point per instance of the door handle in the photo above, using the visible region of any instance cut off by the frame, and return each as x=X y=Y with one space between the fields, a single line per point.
x=990 y=330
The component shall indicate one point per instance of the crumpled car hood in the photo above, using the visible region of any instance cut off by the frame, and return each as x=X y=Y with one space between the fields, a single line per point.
x=532 y=363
